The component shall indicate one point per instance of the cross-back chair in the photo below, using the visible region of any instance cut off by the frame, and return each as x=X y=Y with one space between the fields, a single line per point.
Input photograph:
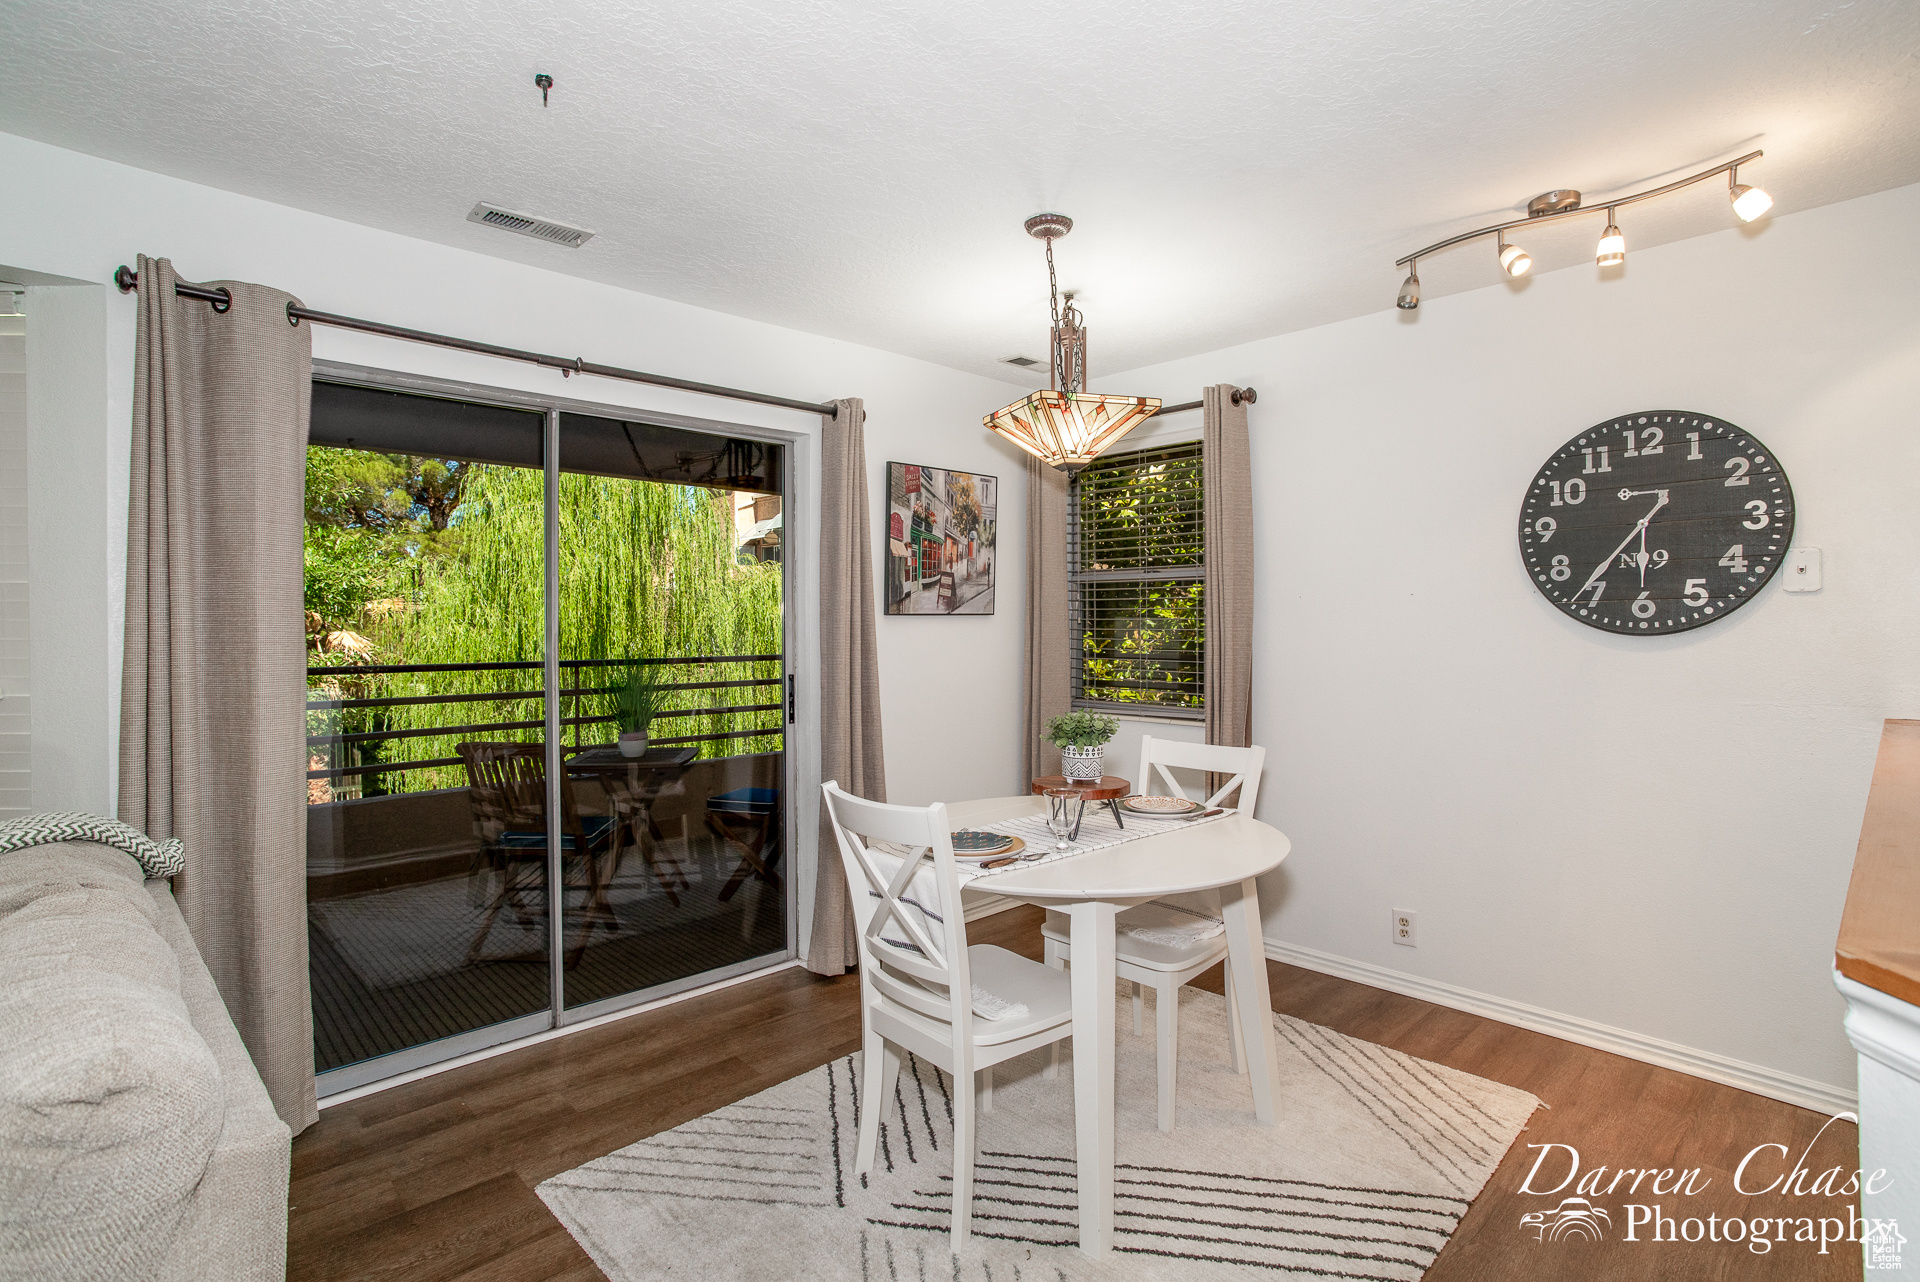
x=1167 y=967
x=507 y=793
x=918 y=976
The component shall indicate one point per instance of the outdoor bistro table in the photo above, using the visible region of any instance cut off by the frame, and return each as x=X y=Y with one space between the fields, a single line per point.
x=1092 y=889
x=633 y=784
x=1107 y=788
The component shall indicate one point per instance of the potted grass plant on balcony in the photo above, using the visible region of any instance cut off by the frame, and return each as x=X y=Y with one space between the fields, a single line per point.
x=636 y=701
x=1082 y=739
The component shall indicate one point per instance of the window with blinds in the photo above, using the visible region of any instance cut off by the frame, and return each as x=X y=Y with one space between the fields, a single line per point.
x=1137 y=575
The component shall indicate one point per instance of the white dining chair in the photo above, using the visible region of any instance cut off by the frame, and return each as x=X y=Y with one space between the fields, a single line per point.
x=1159 y=964
x=922 y=987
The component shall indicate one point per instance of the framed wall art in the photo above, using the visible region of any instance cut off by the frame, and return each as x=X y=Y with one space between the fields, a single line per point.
x=940 y=540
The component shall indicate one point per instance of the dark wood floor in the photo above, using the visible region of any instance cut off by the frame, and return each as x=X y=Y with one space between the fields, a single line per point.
x=434 y=1181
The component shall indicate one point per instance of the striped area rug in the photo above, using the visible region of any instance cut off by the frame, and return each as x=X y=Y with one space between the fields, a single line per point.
x=1376 y=1157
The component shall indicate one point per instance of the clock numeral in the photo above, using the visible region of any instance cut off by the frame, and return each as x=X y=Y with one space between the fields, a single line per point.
x=1735 y=558
x=1574 y=491
x=1545 y=527
x=1740 y=477
x=1696 y=593
x=1650 y=441
x=1693 y=451
x=1561 y=571
x=1643 y=608
x=1759 y=520
x=1605 y=466
x=1598 y=586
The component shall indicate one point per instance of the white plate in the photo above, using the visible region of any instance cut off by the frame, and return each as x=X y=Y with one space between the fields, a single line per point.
x=1165 y=807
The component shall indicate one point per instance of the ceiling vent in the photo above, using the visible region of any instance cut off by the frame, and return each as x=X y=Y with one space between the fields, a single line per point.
x=1024 y=362
x=528 y=225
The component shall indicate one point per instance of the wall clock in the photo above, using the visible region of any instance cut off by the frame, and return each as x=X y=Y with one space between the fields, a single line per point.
x=1656 y=522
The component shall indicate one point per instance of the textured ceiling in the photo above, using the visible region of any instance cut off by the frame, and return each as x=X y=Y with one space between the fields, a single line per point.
x=861 y=169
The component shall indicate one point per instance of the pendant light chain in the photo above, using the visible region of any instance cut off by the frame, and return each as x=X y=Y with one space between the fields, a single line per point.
x=1053 y=298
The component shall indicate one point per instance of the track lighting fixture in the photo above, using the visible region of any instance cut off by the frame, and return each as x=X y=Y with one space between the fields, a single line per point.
x=1410 y=290
x=1514 y=261
x=1749 y=203
x=1613 y=246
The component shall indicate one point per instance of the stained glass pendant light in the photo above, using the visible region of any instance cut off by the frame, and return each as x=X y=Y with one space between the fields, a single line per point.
x=1065 y=425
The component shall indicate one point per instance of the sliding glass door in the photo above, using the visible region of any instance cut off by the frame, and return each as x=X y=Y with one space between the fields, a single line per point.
x=488 y=853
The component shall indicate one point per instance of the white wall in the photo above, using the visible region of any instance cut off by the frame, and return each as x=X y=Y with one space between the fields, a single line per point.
x=85 y=216
x=1652 y=833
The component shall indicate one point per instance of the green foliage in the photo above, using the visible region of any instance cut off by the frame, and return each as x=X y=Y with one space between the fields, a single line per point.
x=1081 y=730
x=647 y=570
x=637 y=697
x=1144 y=640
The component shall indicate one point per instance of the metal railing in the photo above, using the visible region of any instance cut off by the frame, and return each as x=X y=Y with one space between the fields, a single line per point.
x=330 y=745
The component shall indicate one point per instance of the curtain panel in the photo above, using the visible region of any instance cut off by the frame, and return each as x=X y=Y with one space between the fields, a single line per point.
x=1227 y=483
x=850 y=745
x=1051 y=650
x=213 y=696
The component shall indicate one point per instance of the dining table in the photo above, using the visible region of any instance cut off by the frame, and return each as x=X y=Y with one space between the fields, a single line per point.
x=1226 y=853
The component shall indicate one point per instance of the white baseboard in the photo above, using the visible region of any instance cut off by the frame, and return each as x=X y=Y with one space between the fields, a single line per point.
x=982 y=905
x=1802 y=1091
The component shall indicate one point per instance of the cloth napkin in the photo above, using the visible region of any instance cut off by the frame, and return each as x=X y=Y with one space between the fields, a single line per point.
x=923 y=899
x=1176 y=935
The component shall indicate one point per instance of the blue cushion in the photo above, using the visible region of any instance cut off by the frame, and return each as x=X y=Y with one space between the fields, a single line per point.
x=746 y=801
x=594 y=826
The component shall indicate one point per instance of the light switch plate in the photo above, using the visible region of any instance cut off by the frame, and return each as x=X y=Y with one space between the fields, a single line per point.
x=1801 y=570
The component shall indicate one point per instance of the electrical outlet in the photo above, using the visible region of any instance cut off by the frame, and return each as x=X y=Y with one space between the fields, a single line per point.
x=1406 y=928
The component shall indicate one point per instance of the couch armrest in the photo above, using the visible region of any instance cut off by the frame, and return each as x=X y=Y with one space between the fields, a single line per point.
x=235 y=1230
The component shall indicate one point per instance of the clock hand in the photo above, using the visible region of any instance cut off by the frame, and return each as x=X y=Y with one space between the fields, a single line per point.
x=1639 y=529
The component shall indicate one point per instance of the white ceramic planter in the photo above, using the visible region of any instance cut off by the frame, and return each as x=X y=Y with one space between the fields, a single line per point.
x=633 y=743
x=1083 y=763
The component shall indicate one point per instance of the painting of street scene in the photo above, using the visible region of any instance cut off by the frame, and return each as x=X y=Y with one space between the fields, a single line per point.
x=940 y=528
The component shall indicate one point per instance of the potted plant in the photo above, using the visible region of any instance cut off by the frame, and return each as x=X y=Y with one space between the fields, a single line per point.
x=1082 y=739
x=636 y=701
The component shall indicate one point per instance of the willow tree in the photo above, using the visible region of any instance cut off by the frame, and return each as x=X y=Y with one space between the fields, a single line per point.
x=647 y=571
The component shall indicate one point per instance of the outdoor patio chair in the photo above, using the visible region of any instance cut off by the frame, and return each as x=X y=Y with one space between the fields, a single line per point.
x=507 y=791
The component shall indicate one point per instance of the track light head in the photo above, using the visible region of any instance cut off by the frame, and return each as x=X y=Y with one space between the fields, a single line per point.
x=1514 y=261
x=1409 y=299
x=1749 y=202
x=1613 y=246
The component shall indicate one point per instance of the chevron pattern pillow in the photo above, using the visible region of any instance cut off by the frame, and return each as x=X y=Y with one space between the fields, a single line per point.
x=158 y=858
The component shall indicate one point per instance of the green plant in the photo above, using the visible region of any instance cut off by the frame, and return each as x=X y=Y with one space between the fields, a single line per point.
x=1081 y=730
x=637 y=699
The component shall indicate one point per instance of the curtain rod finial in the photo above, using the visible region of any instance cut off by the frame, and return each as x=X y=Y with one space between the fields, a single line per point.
x=1246 y=394
x=126 y=278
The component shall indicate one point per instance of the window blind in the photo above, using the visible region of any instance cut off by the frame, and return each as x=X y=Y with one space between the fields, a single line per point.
x=1136 y=575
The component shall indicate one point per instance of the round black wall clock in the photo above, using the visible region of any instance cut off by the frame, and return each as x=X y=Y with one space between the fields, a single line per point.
x=1656 y=522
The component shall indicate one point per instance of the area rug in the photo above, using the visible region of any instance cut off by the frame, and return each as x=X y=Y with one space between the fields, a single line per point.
x=1375 y=1158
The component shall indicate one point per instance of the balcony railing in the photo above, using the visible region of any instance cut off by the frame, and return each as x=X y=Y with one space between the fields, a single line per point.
x=329 y=750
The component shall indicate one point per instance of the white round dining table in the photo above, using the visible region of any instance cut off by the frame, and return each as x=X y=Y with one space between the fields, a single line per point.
x=1092 y=889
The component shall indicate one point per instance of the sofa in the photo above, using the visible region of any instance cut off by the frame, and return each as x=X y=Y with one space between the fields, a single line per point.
x=136 y=1138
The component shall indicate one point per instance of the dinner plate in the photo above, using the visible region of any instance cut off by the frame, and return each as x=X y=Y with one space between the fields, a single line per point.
x=1013 y=847
x=972 y=841
x=1159 y=805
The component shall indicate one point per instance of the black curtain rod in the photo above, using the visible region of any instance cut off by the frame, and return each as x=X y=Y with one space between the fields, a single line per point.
x=1244 y=394
x=128 y=280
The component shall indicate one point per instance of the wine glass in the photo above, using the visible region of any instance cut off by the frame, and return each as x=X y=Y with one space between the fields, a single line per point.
x=1064 y=809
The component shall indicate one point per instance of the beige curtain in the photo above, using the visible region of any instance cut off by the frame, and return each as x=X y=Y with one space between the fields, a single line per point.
x=212 y=710
x=1050 y=651
x=1228 y=482
x=850 y=748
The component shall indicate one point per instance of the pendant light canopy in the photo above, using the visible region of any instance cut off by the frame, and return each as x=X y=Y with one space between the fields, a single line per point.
x=1064 y=425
